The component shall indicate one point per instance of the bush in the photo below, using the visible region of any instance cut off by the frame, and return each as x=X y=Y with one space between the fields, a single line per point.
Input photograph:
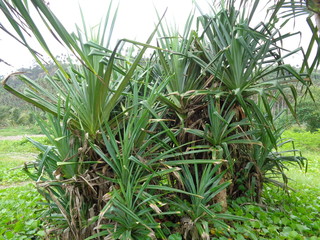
x=308 y=110
x=13 y=116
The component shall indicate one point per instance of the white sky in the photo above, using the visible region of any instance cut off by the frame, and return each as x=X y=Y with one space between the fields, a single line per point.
x=136 y=19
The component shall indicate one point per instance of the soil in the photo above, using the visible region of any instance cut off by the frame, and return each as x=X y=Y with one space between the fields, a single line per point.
x=18 y=137
x=18 y=184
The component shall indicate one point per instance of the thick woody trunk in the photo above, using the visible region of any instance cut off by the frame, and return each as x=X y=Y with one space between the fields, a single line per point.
x=222 y=196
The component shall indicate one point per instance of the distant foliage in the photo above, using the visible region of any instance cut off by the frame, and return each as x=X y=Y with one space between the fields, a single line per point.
x=13 y=116
x=13 y=110
x=308 y=110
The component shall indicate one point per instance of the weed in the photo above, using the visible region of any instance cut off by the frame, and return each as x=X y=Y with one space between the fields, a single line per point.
x=20 y=211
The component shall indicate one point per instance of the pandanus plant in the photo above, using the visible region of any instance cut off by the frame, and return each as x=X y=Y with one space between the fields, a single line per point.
x=223 y=85
x=137 y=143
x=89 y=97
x=250 y=74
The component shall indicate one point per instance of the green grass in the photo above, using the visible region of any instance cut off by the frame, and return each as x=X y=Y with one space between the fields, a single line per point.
x=309 y=145
x=10 y=172
x=20 y=203
x=20 y=130
x=20 y=146
x=305 y=141
x=13 y=154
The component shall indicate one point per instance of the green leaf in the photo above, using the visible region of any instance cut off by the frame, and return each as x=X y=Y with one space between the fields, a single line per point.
x=176 y=236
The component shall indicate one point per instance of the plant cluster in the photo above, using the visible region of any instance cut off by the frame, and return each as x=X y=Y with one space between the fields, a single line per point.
x=151 y=148
x=20 y=212
x=293 y=216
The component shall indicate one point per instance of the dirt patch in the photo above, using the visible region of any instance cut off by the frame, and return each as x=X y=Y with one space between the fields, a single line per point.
x=19 y=156
x=19 y=137
x=18 y=184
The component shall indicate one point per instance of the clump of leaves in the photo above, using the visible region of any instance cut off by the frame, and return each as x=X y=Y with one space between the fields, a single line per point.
x=293 y=216
x=20 y=212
